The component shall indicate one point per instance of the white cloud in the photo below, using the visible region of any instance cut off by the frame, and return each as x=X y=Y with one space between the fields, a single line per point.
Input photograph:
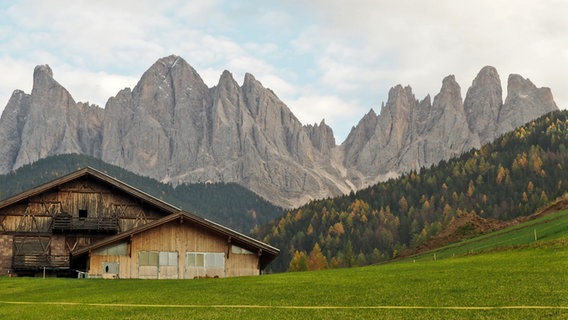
x=417 y=43
x=95 y=88
x=323 y=58
x=311 y=109
x=16 y=75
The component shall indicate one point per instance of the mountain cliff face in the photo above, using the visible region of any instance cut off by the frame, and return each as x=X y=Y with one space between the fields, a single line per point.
x=409 y=133
x=47 y=122
x=171 y=126
x=174 y=128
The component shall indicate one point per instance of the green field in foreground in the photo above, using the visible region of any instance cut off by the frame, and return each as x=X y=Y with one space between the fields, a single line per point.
x=529 y=282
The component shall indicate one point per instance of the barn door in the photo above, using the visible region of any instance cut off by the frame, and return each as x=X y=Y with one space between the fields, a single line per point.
x=157 y=265
x=204 y=265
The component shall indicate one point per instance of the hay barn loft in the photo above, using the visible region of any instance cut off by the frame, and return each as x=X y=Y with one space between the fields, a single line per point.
x=90 y=224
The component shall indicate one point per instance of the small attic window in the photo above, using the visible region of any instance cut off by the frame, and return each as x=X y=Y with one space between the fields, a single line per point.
x=83 y=213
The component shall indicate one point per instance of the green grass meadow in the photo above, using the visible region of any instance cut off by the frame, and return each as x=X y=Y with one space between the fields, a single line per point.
x=527 y=282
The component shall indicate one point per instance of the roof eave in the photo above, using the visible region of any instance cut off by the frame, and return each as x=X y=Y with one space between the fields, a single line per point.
x=260 y=247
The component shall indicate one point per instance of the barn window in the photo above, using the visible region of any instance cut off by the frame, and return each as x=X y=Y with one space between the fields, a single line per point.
x=215 y=260
x=148 y=258
x=205 y=259
x=195 y=260
x=168 y=258
x=157 y=265
x=157 y=258
x=83 y=213
x=239 y=250
x=204 y=264
x=120 y=249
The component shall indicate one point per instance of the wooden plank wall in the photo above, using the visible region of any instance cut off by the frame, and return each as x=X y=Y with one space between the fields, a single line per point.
x=181 y=238
x=97 y=199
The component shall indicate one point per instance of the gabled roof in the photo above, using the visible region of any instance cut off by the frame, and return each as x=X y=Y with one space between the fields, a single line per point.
x=266 y=252
x=98 y=175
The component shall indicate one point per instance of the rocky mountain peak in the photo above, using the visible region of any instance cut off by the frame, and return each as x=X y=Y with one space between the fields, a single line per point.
x=176 y=66
x=483 y=102
x=523 y=101
x=250 y=81
x=364 y=129
x=450 y=95
x=226 y=77
x=54 y=123
x=449 y=84
x=43 y=82
x=517 y=86
x=12 y=124
x=174 y=128
x=42 y=71
x=322 y=137
x=487 y=74
x=397 y=116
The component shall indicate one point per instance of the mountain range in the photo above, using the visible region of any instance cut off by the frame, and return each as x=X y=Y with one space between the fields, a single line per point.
x=172 y=127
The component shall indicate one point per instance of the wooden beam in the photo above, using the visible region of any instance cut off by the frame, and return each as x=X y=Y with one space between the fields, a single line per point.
x=228 y=247
x=259 y=255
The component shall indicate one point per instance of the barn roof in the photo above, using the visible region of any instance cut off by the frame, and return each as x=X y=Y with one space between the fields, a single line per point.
x=98 y=175
x=266 y=252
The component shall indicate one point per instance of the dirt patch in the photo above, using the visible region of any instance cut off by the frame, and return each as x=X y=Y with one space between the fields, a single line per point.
x=463 y=227
x=470 y=225
x=558 y=205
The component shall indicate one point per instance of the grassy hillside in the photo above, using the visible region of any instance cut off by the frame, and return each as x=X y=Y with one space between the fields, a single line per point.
x=529 y=282
x=230 y=204
x=549 y=227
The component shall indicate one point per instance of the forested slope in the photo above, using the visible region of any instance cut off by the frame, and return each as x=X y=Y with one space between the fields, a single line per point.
x=518 y=173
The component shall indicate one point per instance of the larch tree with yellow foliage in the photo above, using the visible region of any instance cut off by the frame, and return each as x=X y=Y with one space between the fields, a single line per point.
x=316 y=260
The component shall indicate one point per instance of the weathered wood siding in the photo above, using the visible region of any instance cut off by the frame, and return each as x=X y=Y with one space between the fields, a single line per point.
x=6 y=245
x=181 y=238
x=243 y=265
x=35 y=216
x=124 y=262
x=58 y=246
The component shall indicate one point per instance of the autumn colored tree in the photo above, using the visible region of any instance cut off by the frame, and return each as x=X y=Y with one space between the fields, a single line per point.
x=316 y=259
x=501 y=174
x=299 y=262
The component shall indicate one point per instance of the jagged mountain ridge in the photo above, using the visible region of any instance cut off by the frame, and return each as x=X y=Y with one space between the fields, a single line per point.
x=174 y=128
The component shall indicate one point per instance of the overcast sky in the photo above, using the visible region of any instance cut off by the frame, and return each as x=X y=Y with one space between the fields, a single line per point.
x=326 y=59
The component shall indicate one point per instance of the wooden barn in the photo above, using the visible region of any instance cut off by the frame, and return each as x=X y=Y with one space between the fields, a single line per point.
x=179 y=246
x=90 y=223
